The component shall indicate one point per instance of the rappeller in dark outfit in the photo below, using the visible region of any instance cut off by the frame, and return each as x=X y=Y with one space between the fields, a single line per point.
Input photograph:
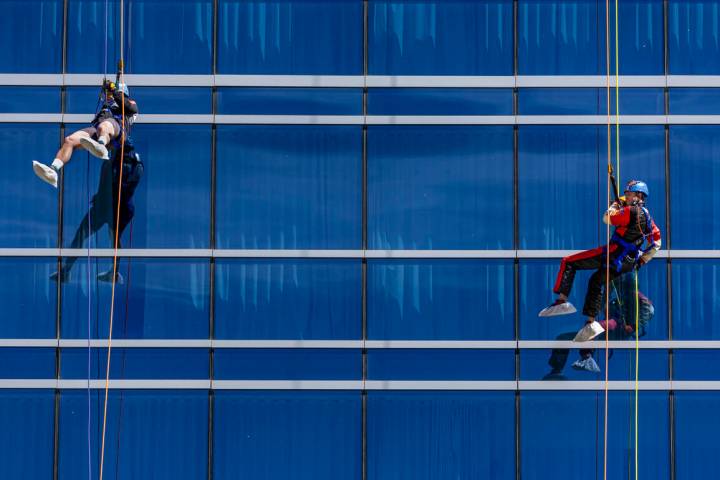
x=634 y=227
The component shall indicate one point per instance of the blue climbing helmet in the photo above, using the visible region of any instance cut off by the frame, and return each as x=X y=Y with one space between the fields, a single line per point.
x=638 y=186
x=124 y=88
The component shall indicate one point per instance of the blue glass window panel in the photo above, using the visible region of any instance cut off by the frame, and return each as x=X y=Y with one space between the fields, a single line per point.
x=32 y=33
x=696 y=304
x=21 y=191
x=536 y=280
x=299 y=37
x=440 y=300
x=288 y=299
x=440 y=364
x=93 y=36
x=696 y=365
x=136 y=363
x=590 y=101
x=172 y=100
x=462 y=202
x=28 y=297
x=165 y=298
x=440 y=101
x=27 y=362
x=696 y=425
x=287 y=364
x=427 y=435
x=318 y=433
x=318 y=170
x=568 y=37
x=694 y=101
x=172 y=200
x=538 y=364
x=289 y=101
x=29 y=100
x=557 y=163
x=431 y=37
x=82 y=100
x=150 y=434
x=695 y=186
x=27 y=436
x=572 y=416
x=693 y=31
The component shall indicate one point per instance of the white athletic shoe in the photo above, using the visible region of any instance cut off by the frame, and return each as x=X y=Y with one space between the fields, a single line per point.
x=588 y=332
x=557 y=308
x=46 y=174
x=96 y=149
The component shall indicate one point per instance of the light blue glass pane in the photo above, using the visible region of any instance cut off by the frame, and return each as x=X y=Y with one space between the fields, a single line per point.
x=21 y=192
x=24 y=362
x=28 y=298
x=318 y=433
x=440 y=101
x=289 y=187
x=461 y=202
x=31 y=34
x=440 y=300
x=695 y=300
x=287 y=364
x=433 y=435
x=29 y=100
x=136 y=363
x=172 y=100
x=440 y=364
x=696 y=426
x=694 y=183
x=27 y=417
x=557 y=364
x=159 y=298
x=693 y=31
x=288 y=299
x=590 y=101
x=154 y=434
x=696 y=365
x=289 y=101
x=298 y=37
x=694 y=101
x=436 y=37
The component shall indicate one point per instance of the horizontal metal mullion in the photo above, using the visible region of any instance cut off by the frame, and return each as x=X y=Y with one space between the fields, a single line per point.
x=287 y=384
x=289 y=119
x=432 y=344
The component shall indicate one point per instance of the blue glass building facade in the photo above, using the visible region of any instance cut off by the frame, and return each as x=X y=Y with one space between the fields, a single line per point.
x=351 y=213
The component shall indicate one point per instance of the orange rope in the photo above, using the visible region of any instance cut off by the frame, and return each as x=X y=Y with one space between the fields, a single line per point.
x=607 y=230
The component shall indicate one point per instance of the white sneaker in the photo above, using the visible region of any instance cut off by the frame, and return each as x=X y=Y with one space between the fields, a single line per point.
x=46 y=174
x=96 y=149
x=588 y=332
x=557 y=308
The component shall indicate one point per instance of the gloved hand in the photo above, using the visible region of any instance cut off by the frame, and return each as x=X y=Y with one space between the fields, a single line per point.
x=109 y=85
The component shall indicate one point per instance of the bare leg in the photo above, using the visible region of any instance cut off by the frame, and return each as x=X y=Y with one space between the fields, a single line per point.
x=69 y=145
x=106 y=132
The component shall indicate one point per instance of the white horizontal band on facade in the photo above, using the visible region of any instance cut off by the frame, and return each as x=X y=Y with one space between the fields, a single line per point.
x=286 y=120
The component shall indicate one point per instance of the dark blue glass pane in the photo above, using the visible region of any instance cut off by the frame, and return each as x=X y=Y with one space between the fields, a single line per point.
x=289 y=101
x=93 y=36
x=172 y=100
x=695 y=183
x=21 y=192
x=440 y=101
x=29 y=100
x=28 y=298
x=695 y=101
x=27 y=363
x=298 y=37
x=318 y=171
x=31 y=33
x=568 y=37
x=150 y=434
x=693 y=31
x=433 y=435
x=696 y=365
x=590 y=101
x=287 y=364
x=136 y=363
x=437 y=37
x=574 y=449
x=288 y=299
x=557 y=364
x=318 y=433
x=440 y=300
x=82 y=100
x=696 y=304
x=441 y=364
x=696 y=426
x=27 y=433
x=461 y=202
x=536 y=281
x=159 y=298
